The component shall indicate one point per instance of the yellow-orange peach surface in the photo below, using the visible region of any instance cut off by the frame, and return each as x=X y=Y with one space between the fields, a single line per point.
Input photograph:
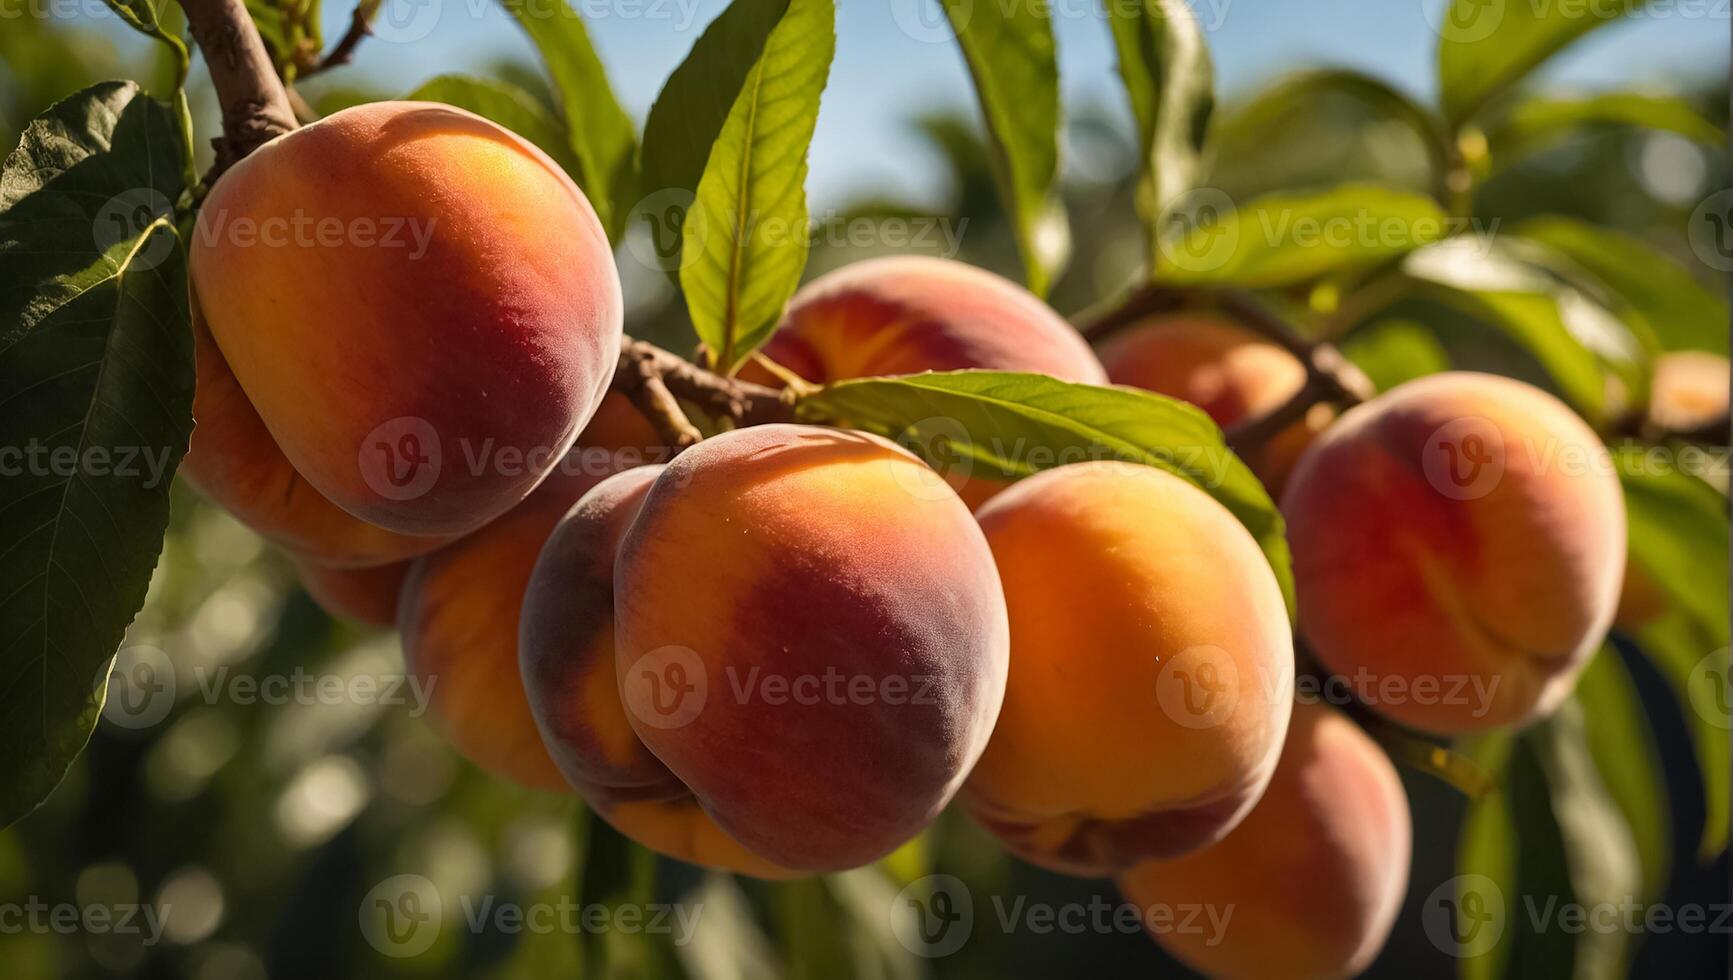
x=1151 y=669
x=421 y=306
x=1310 y=883
x=1458 y=546
x=366 y=594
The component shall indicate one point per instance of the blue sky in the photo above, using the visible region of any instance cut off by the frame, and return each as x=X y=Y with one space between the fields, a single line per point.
x=890 y=60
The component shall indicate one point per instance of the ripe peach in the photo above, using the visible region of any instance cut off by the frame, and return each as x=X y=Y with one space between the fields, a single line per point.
x=234 y=463
x=1152 y=669
x=809 y=639
x=365 y=594
x=908 y=314
x=1231 y=373
x=412 y=298
x=1315 y=874
x=459 y=619
x=1458 y=546
x=566 y=653
x=1689 y=391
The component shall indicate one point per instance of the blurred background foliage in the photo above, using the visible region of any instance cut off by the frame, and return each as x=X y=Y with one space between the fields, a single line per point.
x=264 y=825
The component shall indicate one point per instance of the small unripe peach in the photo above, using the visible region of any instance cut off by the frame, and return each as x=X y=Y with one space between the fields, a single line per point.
x=1152 y=669
x=1458 y=547
x=1310 y=883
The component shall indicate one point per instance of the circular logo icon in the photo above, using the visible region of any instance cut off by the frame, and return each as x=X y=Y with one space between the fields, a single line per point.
x=1464 y=917
x=927 y=22
x=1464 y=459
x=401 y=916
x=400 y=459
x=655 y=230
x=933 y=916
x=1198 y=233
x=141 y=687
x=944 y=445
x=1199 y=688
x=403 y=21
x=125 y=216
x=1711 y=231
x=1464 y=21
x=1711 y=695
x=666 y=688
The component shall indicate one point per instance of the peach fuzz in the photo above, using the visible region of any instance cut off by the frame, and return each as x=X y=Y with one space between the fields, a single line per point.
x=1460 y=539
x=400 y=288
x=365 y=594
x=1152 y=669
x=459 y=618
x=810 y=639
x=234 y=463
x=1314 y=876
x=566 y=654
x=1231 y=373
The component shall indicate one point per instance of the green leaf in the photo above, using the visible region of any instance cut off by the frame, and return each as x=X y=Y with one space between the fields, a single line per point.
x=1570 y=336
x=507 y=105
x=1537 y=123
x=1284 y=239
x=1679 y=535
x=1679 y=312
x=1485 y=879
x=615 y=874
x=688 y=116
x=601 y=135
x=1012 y=57
x=96 y=385
x=745 y=237
x=1394 y=351
x=1486 y=48
x=1007 y=425
x=1622 y=744
x=1165 y=64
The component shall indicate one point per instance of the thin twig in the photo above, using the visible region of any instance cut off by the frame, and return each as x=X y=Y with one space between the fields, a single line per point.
x=360 y=26
x=656 y=381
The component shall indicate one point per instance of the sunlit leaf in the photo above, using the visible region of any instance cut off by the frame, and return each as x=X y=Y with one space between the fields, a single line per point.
x=1485 y=48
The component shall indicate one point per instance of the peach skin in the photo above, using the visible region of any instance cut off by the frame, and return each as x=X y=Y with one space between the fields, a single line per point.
x=365 y=594
x=421 y=306
x=1313 y=877
x=566 y=654
x=816 y=652
x=1459 y=544
x=1152 y=669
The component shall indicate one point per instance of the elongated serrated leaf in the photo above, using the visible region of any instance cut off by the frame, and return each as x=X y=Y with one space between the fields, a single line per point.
x=745 y=237
x=601 y=136
x=96 y=390
x=507 y=105
x=1006 y=425
x=1486 y=48
x=1283 y=239
x=1622 y=745
x=688 y=117
x=1537 y=123
x=1012 y=57
x=1679 y=536
x=1680 y=313
x=1165 y=64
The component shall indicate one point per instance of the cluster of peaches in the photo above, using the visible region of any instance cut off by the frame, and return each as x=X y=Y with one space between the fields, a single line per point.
x=786 y=650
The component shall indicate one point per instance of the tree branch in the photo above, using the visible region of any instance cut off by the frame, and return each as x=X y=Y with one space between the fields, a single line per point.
x=656 y=382
x=254 y=103
x=360 y=26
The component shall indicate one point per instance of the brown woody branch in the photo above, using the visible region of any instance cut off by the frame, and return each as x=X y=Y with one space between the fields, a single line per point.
x=657 y=381
x=360 y=26
x=255 y=105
